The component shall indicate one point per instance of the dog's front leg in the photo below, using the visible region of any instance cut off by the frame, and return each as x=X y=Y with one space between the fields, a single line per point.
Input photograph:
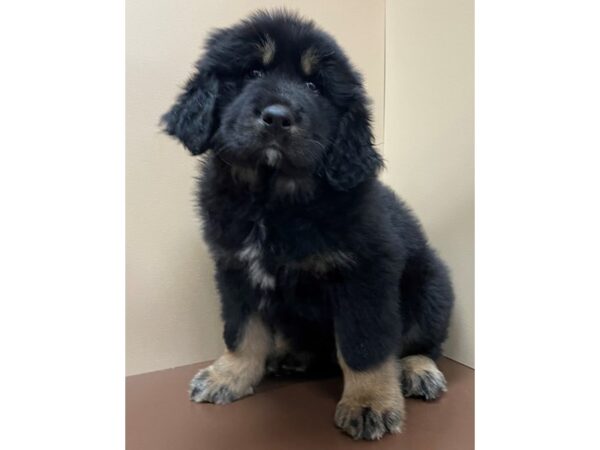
x=367 y=327
x=249 y=341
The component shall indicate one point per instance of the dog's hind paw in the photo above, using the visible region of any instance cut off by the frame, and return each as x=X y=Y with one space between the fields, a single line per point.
x=211 y=387
x=421 y=378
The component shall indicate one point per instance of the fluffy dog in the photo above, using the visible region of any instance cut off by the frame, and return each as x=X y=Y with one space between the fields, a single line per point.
x=316 y=260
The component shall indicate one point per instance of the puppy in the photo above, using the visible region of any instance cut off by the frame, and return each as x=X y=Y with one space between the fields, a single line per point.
x=316 y=260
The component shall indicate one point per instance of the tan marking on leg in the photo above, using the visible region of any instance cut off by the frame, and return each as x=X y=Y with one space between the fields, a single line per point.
x=417 y=364
x=309 y=61
x=421 y=377
x=267 y=50
x=235 y=373
x=378 y=387
x=372 y=403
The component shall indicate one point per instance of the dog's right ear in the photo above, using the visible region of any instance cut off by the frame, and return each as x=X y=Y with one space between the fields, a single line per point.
x=191 y=118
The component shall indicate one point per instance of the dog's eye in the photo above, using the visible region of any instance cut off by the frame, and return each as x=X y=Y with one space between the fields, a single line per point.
x=256 y=74
x=311 y=86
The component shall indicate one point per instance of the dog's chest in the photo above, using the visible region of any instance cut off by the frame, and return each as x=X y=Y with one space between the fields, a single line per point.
x=272 y=245
x=273 y=253
x=252 y=256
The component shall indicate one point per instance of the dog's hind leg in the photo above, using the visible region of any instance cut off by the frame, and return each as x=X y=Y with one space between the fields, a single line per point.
x=420 y=377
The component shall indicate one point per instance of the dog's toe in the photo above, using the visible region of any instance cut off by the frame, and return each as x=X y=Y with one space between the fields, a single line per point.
x=365 y=422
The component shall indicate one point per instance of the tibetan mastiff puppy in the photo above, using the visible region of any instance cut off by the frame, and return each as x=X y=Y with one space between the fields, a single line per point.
x=316 y=260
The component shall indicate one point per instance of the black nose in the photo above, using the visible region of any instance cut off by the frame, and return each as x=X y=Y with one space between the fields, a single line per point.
x=277 y=117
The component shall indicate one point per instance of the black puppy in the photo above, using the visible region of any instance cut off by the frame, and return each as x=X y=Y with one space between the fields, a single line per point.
x=315 y=259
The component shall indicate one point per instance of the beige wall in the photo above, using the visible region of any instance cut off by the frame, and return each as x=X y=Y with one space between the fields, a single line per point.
x=429 y=137
x=172 y=307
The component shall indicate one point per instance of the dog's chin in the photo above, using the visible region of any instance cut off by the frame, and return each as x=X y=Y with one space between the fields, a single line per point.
x=270 y=169
x=272 y=157
x=277 y=160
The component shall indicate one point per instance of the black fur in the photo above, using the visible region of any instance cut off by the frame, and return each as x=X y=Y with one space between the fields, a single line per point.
x=383 y=290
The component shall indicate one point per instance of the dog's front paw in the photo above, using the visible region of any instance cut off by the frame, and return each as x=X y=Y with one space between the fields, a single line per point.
x=368 y=422
x=213 y=386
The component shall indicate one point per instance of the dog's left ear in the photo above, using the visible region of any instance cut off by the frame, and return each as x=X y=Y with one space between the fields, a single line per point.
x=352 y=158
x=191 y=118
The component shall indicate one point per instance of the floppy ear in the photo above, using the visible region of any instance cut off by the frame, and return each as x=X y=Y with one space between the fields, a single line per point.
x=352 y=159
x=191 y=119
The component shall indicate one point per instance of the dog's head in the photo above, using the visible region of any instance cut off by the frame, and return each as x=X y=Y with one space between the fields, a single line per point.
x=276 y=91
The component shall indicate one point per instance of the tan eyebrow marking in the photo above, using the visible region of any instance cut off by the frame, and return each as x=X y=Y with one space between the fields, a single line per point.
x=309 y=61
x=267 y=50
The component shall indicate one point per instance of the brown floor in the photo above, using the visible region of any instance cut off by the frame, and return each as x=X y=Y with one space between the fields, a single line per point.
x=286 y=415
